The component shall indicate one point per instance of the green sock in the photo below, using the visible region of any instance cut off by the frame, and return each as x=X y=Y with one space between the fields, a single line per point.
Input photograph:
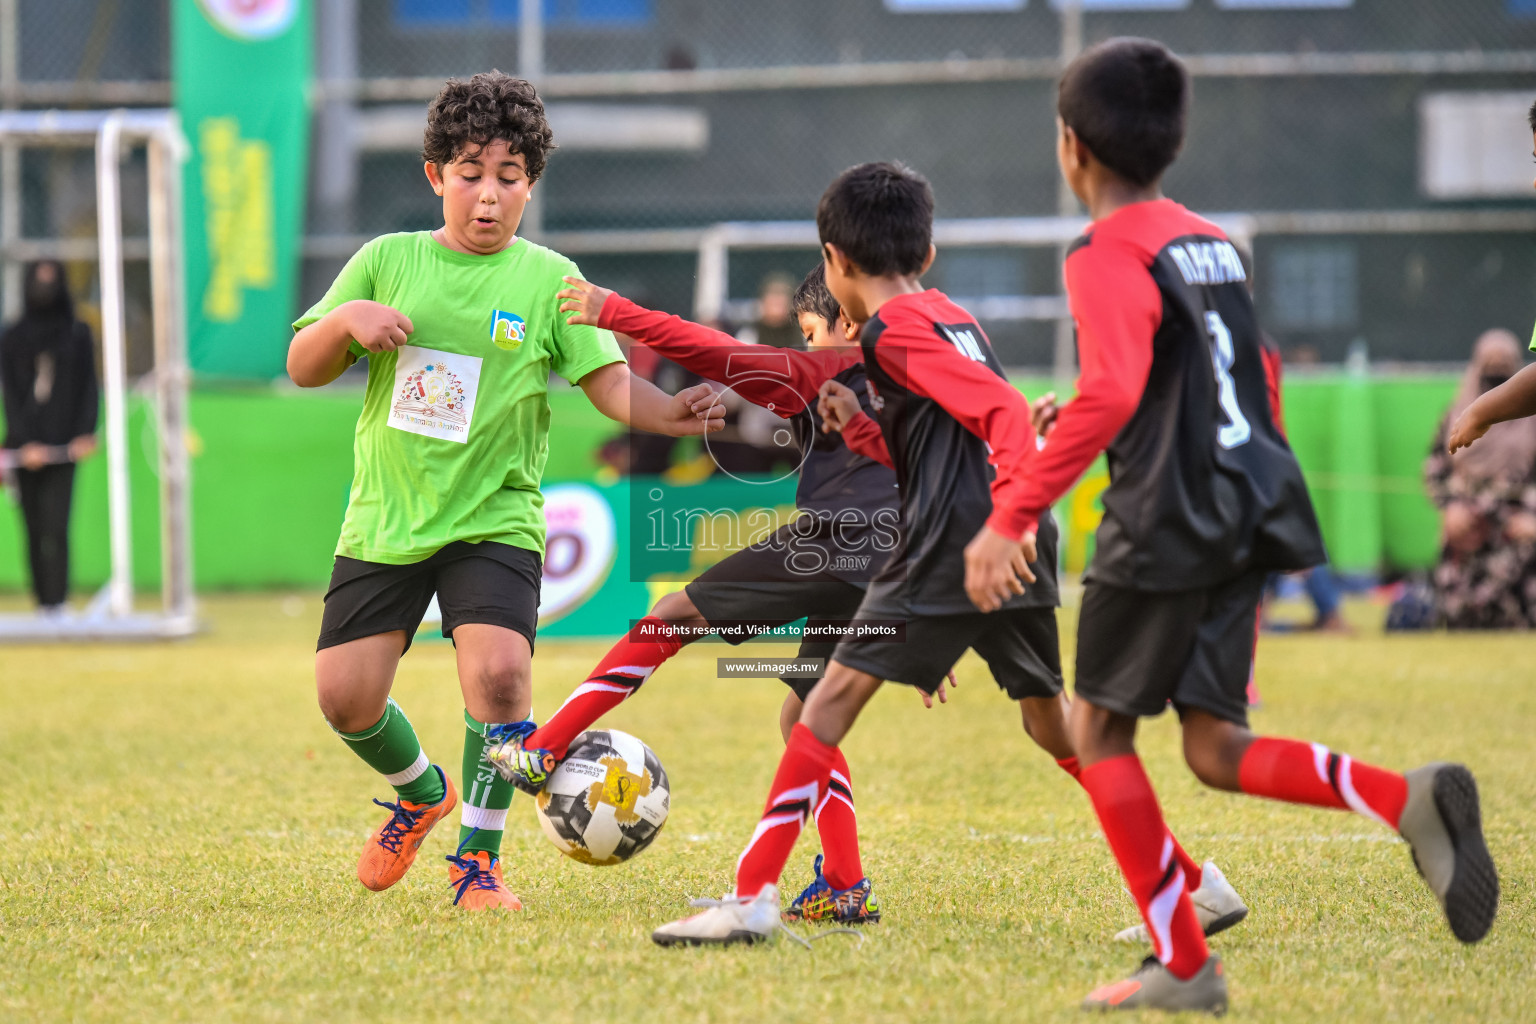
x=391 y=748
x=486 y=794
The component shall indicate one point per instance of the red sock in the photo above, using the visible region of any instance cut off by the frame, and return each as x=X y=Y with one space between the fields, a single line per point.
x=1133 y=823
x=627 y=664
x=1309 y=773
x=838 y=826
x=802 y=777
x=1192 y=871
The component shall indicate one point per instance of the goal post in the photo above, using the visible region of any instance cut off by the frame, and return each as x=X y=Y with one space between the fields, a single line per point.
x=112 y=614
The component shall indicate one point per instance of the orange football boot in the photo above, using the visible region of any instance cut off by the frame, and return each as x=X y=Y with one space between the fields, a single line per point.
x=392 y=849
x=477 y=876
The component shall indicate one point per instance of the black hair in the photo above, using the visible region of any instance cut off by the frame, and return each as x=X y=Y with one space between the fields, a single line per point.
x=1127 y=99
x=46 y=298
x=812 y=296
x=881 y=217
x=1532 y=117
x=467 y=116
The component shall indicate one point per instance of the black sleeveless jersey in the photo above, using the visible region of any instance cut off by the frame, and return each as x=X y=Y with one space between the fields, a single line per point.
x=936 y=383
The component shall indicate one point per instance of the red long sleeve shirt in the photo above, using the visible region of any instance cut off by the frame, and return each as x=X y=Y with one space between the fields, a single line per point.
x=928 y=347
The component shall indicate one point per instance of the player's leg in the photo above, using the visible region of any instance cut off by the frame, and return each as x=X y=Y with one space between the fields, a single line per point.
x=751 y=912
x=751 y=585
x=371 y=611
x=839 y=891
x=1435 y=807
x=1131 y=648
x=489 y=594
x=527 y=761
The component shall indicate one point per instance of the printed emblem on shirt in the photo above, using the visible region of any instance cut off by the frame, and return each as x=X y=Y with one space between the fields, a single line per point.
x=507 y=330
x=876 y=402
x=434 y=393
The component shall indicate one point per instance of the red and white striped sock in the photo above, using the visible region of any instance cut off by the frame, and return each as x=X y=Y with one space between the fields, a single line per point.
x=1192 y=871
x=838 y=825
x=627 y=664
x=1133 y=823
x=803 y=775
x=1310 y=773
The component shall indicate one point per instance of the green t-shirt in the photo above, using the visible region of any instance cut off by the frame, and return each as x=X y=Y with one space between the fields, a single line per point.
x=454 y=432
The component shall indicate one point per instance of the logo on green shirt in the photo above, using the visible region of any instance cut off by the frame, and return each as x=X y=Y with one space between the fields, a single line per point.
x=507 y=330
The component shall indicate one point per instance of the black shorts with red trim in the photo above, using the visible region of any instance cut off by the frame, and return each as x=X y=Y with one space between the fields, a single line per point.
x=1020 y=646
x=1139 y=650
x=490 y=583
x=756 y=587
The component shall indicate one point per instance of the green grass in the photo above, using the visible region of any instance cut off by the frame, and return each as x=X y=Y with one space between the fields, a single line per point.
x=179 y=829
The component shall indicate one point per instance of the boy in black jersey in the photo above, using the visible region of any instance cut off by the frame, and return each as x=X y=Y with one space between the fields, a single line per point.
x=948 y=416
x=1205 y=499
x=816 y=567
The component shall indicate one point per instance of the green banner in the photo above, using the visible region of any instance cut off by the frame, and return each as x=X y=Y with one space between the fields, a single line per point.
x=241 y=70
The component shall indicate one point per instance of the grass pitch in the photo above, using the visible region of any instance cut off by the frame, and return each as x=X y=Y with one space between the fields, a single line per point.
x=180 y=828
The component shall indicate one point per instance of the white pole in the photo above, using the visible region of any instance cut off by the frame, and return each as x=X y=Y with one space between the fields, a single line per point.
x=712 y=282
x=171 y=374
x=109 y=232
x=10 y=165
x=530 y=65
x=1064 y=355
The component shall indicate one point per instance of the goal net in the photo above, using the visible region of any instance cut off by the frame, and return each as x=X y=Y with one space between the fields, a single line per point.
x=112 y=615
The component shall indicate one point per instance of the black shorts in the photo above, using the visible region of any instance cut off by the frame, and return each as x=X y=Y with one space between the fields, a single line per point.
x=774 y=596
x=1137 y=650
x=1019 y=645
x=490 y=583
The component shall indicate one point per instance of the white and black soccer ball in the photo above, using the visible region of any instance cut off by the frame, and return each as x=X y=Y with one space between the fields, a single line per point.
x=607 y=800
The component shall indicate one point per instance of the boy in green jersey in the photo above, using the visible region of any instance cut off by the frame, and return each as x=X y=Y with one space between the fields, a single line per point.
x=461 y=329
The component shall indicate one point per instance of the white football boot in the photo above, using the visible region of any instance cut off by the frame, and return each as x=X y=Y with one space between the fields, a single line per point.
x=728 y=920
x=1217 y=906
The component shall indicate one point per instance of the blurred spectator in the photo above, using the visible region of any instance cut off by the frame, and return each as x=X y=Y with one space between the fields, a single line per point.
x=1487 y=500
x=48 y=380
x=775 y=324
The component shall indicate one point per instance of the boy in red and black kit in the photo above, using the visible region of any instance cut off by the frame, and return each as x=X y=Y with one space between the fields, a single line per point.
x=948 y=416
x=816 y=567
x=1205 y=499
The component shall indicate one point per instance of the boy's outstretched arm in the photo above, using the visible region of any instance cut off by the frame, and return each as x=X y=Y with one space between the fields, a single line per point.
x=620 y=395
x=321 y=351
x=1512 y=400
x=784 y=381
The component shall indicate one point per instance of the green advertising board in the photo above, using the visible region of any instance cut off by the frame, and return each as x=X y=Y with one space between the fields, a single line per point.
x=241 y=71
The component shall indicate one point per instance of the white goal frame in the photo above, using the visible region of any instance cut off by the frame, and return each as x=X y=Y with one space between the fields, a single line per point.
x=111 y=615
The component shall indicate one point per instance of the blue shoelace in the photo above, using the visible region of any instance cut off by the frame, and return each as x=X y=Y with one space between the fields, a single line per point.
x=399 y=826
x=475 y=877
x=816 y=887
x=509 y=730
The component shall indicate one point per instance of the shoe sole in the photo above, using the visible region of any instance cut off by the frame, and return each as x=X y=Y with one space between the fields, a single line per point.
x=744 y=938
x=1225 y=921
x=1472 y=899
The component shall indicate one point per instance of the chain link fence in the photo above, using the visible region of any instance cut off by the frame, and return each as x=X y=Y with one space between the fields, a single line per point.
x=1341 y=124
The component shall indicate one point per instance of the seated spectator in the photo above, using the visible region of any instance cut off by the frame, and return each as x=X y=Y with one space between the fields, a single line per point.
x=1486 y=494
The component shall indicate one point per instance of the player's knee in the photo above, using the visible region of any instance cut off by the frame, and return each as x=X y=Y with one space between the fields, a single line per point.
x=1213 y=750
x=675 y=607
x=502 y=675
x=342 y=708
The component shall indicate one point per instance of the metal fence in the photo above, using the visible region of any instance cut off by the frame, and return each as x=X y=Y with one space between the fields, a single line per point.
x=1370 y=139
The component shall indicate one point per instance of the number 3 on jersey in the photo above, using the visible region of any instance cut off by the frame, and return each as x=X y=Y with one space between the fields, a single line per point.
x=1237 y=431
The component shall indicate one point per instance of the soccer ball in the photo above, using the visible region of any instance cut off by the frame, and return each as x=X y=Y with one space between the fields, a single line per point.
x=607 y=800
